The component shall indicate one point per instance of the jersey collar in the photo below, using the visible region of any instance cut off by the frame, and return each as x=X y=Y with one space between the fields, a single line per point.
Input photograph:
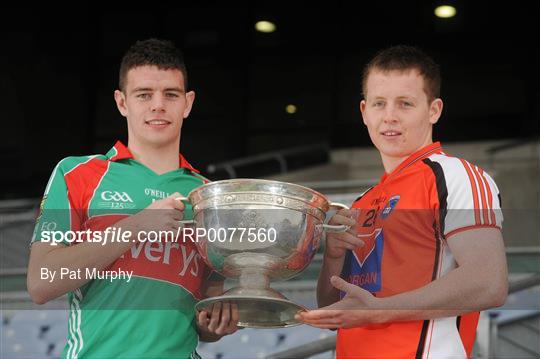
x=121 y=152
x=415 y=157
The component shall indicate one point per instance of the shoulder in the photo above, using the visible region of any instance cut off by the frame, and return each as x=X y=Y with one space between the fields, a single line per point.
x=457 y=170
x=452 y=168
x=71 y=163
x=465 y=184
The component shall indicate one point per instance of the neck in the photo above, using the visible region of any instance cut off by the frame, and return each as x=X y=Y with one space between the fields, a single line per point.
x=160 y=159
x=391 y=163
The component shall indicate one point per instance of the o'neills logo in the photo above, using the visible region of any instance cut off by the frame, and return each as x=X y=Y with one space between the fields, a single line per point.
x=156 y=193
x=173 y=262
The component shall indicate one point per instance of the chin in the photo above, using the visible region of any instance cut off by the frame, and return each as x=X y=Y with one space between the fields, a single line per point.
x=391 y=149
x=159 y=142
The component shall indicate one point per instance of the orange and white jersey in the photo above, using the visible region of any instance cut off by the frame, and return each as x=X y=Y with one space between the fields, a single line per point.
x=405 y=221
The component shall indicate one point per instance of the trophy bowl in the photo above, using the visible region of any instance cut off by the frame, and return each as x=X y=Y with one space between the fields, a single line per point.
x=259 y=231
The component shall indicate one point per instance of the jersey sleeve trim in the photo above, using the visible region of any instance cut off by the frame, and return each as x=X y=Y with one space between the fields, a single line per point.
x=468 y=228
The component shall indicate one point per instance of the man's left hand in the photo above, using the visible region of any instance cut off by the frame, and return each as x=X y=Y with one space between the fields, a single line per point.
x=219 y=320
x=354 y=310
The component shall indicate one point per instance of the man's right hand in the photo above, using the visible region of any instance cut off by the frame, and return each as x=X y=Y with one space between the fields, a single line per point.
x=162 y=215
x=338 y=243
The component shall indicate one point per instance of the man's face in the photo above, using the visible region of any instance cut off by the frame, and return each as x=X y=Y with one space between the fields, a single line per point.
x=397 y=114
x=155 y=104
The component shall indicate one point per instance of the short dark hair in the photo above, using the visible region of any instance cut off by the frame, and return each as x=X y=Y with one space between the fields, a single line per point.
x=152 y=52
x=403 y=58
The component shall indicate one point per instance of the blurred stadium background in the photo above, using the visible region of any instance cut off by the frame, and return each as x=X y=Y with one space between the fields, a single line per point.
x=58 y=74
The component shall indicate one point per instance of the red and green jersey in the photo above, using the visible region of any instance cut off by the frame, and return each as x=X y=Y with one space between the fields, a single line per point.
x=405 y=221
x=152 y=314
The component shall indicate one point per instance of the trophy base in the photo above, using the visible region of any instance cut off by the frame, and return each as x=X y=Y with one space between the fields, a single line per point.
x=258 y=308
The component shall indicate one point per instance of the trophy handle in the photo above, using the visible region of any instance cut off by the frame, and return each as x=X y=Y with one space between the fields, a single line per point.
x=185 y=221
x=336 y=228
x=337 y=205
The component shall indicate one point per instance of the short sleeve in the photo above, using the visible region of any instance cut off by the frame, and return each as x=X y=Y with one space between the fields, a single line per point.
x=468 y=196
x=56 y=216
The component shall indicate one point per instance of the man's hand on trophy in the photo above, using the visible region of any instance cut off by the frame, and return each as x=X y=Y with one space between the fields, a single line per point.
x=338 y=243
x=215 y=322
x=163 y=214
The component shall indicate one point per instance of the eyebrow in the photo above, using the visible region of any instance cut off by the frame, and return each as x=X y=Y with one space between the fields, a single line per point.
x=406 y=98
x=399 y=98
x=168 y=89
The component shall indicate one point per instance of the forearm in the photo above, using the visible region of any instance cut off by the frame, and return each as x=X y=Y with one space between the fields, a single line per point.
x=480 y=281
x=462 y=290
x=326 y=293
x=70 y=259
x=73 y=259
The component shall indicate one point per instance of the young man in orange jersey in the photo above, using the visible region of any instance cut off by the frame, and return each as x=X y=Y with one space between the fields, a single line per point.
x=425 y=252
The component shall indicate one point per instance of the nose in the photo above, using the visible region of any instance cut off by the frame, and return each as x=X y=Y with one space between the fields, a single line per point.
x=390 y=115
x=158 y=103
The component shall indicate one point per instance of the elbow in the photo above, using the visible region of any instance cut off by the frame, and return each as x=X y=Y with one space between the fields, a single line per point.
x=501 y=295
x=38 y=300
x=498 y=293
x=38 y=293
x=37 y=297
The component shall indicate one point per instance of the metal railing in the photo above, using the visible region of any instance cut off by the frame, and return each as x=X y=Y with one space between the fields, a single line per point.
x=512 y=144
x=492 y=152
x=279 y=156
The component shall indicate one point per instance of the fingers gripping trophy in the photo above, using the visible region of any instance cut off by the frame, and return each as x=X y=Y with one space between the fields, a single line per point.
x=258 y=231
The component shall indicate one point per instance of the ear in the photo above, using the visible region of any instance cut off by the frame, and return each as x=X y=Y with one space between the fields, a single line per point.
x=190 y=98
x=363 y=110
x=121 y=102
x=435 y=110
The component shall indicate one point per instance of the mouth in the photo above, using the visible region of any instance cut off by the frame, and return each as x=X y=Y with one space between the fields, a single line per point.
x=157 y=123
x=390 y=133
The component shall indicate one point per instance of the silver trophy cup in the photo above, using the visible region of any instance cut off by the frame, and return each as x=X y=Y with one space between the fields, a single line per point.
x=259 y=231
